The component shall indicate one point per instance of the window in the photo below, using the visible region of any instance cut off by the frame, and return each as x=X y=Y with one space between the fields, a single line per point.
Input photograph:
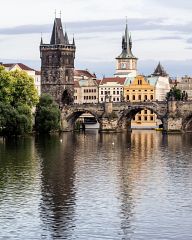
x=102 y=92
x=139 y=97
x=117 y=92
x=113 y=92
x=145 y=97
x=151 y=118
x=151 y=97
x=139 y=118
x=117 y=99
x=133 y=118
x=113 y=99
x=127 y=97
x=133 y=97
x=145 y=118
x=101 y=99
x=145 y=111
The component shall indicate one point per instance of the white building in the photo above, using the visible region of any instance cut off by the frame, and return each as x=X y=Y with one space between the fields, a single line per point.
x=36 y=75
x=113 y=88
x=160 y=80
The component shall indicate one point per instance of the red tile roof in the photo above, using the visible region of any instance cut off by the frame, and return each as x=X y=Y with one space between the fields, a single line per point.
x=86 y=73
x=113 y=79
x=21 y=65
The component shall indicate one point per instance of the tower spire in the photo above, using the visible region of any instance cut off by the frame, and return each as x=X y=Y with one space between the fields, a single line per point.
x=41 y=43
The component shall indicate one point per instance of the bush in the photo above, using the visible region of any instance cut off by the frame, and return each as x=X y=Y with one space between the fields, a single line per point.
x=15 y=121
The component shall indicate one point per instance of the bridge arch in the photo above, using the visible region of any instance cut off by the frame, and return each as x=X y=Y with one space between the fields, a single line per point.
x=72 y=117
x=127 y=115
x=187 y=123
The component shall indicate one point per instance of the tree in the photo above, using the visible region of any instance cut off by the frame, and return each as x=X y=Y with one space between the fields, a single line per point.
x=17 y=97
x=16 y=87
x=174 y=94
x=47 y=118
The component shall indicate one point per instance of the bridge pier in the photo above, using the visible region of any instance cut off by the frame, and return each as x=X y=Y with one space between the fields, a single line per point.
x=173 y=121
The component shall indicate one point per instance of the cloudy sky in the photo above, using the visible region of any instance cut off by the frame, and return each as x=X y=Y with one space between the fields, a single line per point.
x=161 y=31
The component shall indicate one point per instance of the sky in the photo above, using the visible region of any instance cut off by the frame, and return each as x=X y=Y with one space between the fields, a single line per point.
x=161 y=31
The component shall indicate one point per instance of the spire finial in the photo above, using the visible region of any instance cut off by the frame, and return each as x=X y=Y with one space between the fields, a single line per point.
x=60 y=14
x=55 y=13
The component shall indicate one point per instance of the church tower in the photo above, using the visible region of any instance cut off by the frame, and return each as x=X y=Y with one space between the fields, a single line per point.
x=57 y=66
x=126 y=62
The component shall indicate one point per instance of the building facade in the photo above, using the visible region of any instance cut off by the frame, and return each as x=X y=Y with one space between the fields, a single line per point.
x=185 y=84
x=36 y=75
x=126 y=62
x=111 y=88
x=138 y=89
x=160 y=80
x=57 y=65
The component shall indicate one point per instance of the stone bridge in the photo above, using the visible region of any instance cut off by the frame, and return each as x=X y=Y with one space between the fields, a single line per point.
x=176 y=116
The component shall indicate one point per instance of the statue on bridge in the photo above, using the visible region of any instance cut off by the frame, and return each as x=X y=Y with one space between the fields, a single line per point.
x=184 y=96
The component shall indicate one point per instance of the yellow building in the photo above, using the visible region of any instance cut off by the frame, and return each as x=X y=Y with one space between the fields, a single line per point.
x=138 y=89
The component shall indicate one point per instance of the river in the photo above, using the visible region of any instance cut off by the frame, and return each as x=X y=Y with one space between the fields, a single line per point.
x=96 y=186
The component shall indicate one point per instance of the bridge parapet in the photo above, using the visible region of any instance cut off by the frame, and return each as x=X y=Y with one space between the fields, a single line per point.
x=114 y=116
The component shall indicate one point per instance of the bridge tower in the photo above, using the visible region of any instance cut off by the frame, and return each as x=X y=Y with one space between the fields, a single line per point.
x=126 y=62
x=57 y=65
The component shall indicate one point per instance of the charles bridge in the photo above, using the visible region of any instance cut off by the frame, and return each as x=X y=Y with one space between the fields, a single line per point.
x=176 y=116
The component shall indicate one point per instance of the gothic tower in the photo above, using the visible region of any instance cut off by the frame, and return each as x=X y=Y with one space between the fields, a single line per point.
x=126 y=62
x=57 y=66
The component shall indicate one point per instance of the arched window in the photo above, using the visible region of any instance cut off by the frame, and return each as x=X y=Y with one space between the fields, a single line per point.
x=139 y=97
x=145 y=97
x=127 y=97
x=151 y=97
x=133 y=97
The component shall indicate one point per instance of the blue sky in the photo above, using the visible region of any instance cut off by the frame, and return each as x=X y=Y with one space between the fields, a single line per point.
x=161 y=31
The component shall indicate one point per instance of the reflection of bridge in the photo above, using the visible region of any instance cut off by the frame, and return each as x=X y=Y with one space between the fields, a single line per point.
x=175 y=116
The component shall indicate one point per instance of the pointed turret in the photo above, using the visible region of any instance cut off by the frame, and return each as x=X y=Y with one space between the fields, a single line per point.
x=41 y=42
x=126 y=46
x=130 y=42
x=66 y=38
x=159 y=71
x=73 y=40
x=57 y=33
x=126 y=61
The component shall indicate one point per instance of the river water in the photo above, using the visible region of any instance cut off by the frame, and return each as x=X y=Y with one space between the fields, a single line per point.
x=97 y=186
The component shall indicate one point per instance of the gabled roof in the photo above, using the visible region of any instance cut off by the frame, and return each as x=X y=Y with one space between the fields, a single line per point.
x=113 y=79
x=21 y=65
x=85 y=73
x=159 y=71
x=57 y=33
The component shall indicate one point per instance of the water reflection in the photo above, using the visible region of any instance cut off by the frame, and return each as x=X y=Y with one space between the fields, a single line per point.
x=57 y=184
x=97 y=186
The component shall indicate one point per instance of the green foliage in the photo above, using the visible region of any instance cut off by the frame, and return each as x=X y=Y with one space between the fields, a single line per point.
x=16 y=87
x=48 y=115
x=15 y=120
x=17 y=97
x=174 y=94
